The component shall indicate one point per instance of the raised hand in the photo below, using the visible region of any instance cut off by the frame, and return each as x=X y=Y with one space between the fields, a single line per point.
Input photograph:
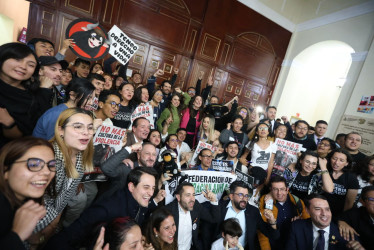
x=209 y=195
x=159 y=72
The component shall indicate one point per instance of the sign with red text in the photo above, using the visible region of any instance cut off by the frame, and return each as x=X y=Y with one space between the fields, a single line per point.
x=107 y=141
x=200 y=147
x=145 y=111
x=285 y=154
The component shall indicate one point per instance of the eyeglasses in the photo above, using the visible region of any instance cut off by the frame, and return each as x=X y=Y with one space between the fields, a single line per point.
x=207 y=156
x=173 y=140
x=114 y=104
x=36 y=164
x=263 y=128
x=243 y=112
x=301 y=128
x=370 y=199
x=241 y=195
x=310 y=163
x=192 y=91
x=80 y=128
x=279 y=189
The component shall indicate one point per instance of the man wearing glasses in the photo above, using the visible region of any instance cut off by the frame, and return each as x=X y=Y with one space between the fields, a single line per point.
x=360 y=220
x=301 y=135
x=285 y=208
x=248 y=215
x=205 y=160
x=109 y=103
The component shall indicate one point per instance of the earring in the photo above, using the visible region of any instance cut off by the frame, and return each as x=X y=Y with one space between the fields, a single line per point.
x=156 y=235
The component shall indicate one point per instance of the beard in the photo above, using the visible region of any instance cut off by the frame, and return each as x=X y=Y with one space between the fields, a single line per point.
x=241 y=205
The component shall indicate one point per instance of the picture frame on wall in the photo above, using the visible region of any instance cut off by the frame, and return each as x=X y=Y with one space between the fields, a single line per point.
x=255 y=97
x=154 y=64
x=168 y=68
x=238 y=91
x=138 y=59
x=229 y=88
x=247 y=94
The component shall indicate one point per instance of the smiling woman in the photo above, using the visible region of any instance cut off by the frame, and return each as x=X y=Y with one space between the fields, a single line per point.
x=27 y=167
x=21 y=100
x=73 y=147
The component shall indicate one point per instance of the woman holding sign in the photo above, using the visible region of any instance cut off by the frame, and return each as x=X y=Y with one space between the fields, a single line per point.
x=207 y=133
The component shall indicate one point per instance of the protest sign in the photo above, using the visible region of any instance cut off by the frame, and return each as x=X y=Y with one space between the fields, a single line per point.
x=216 y=181
x=223 y=165
x=122 y=47
x=107 y=141
x=240 y=176
x=285 y=154
x=145 y=111
x=199 y=147
x=94 y=105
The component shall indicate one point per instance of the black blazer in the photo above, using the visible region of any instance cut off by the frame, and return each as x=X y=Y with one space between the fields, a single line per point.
x=198 y=212
x=253 y=222
x=301 y=236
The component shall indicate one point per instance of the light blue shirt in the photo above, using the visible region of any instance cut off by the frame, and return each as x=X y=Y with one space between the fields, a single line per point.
x=241 y=218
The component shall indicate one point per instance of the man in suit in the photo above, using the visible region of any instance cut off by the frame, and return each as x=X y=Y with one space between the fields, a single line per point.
x=361 y=219
x=140 y=131
x=187 y=213
x=271 y=113
x=318 y=232
x=249 y=216
x=320 y=131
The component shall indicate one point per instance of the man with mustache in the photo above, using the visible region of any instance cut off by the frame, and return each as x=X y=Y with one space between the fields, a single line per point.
x=249 y=216
x=188 y=212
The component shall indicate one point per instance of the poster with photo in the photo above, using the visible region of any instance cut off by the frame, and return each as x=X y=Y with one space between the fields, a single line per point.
x=285 y=154
x=366 y=105
x=199 y=147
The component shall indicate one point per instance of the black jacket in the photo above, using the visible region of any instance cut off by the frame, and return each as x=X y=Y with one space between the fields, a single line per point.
x=253 y=222
x=198 y=212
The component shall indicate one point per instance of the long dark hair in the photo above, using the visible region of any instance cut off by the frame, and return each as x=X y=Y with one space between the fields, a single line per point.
x=255 y=137
x=154 y=222
x=20 y=51
x=362 y=168
x=138 y=95
x=116 y=231
x=298 y=165
x=342 y=151
x=82 y=88
x=194 y=112
x=10 y=153
x=181 y=104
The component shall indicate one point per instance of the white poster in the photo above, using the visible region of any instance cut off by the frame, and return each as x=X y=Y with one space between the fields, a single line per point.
x=200 y=147
x=363 y=126
x=145 y=111
x=122 y=47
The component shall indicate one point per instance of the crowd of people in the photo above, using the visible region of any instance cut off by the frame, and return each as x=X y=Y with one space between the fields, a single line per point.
x=50 y=110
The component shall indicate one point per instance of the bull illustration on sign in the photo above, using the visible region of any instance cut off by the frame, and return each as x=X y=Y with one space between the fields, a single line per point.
x=91 y=40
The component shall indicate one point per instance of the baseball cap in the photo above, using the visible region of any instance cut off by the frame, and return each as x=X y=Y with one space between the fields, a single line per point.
x=49 y=60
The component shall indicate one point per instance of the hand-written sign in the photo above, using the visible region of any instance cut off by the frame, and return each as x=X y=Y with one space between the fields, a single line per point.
x=200 y=147
x=223 y=165
x=145 y=111
x=122 y=47
x=240 y=176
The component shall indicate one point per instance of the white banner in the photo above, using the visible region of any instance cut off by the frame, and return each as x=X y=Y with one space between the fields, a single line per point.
x=145 y=111
x=122 y=47
x=217 y=182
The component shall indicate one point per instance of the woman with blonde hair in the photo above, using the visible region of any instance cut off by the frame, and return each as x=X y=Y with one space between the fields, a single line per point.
x=73 y=149
x=207 y=133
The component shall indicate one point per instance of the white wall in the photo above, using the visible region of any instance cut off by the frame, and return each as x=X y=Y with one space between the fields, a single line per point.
x=16 y=10
x=358 y=33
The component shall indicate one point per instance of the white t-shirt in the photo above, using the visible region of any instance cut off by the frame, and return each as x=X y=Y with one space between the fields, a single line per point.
x=218 y=245
x=260 y=157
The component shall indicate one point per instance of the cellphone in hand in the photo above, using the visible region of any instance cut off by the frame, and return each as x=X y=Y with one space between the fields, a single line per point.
x=269 y=204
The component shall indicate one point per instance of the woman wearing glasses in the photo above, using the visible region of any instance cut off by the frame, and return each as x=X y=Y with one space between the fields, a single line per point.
x=73 y=148
x=79 y=93
x=259 y=147
x=325 y=147
x=308 y=176
x=346 y=184
x=27 y=167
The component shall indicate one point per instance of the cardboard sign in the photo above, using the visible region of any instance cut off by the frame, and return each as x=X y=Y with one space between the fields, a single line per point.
x=145 y=111
x=122 y=47
x=285 y=154
x=200 y=147
x=217 y=182
x=249 y=180
x=223 y=165
x=90 y=39
x=107 y=141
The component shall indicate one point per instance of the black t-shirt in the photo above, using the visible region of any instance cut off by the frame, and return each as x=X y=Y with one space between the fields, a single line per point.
x=239 y=138
x=357 y=158
x=300 y=186
x=341 y=185
x=123 y=117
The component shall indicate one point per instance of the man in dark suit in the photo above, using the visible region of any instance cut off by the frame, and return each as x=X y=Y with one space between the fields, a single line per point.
x=318 y=232
x=361 y=219
x=249 y=216
x=187 y=213
x=140 y=131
